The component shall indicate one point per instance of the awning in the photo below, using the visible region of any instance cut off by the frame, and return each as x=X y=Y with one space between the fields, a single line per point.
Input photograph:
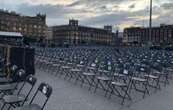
x=10 y=34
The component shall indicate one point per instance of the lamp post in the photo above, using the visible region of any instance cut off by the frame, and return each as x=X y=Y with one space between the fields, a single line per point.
x=150 y=22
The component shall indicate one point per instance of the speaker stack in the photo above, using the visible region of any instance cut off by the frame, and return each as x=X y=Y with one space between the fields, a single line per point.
x=23 y=57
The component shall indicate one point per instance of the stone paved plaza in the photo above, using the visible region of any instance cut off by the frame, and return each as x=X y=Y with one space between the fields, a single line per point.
x=70 y=96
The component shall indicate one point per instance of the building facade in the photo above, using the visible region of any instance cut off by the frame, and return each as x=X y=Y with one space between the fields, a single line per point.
x=132 y=35
x=162 y=35
x=30 y=27
x=49 y=36
x=74 y=34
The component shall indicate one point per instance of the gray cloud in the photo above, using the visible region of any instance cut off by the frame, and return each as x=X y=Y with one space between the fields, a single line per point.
x=132 y=6
x=167 y=6
x=52 y=11
x=94 y=12
x=116 y=18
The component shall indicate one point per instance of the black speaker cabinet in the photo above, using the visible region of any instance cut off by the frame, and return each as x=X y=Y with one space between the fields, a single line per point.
x=23 y=57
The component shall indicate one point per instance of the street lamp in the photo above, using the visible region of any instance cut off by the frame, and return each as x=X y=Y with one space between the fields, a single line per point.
x=150 y=23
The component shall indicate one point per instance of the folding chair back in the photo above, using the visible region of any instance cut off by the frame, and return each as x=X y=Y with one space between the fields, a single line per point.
x=46 y=90
x=31 y=81
x=13 y=70
x=19 y=76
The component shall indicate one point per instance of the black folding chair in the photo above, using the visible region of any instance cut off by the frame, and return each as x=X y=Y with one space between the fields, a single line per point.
x=8 y=79
x=19 y=99
x=103 y=81
x=8 y=88
x=46 y=90
x=162 y=74
x=76 y=74
x=140 y=81
x=153 y=80
x=120 y=85
x=88 y=76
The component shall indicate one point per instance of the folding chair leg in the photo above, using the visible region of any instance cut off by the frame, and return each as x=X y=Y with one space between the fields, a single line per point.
x=70 y=76
x=91 y=83
x=126 y=93
x=146 y=89
x=60 y=73
x=65 y=75
x=166 y=80
x=96 y=86
x=111 y=92
x=3 y=106
x=9 y=107
x=107 y=89
x=77 y=78
x=56 y=73
x=158 y=84
x=83 y=80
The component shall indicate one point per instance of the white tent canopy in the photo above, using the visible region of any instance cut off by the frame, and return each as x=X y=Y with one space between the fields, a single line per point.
x=11 y=34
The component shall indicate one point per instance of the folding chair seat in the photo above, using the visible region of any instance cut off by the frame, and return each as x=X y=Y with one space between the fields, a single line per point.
x=5 y=80
x=81 y=66
x=103 y=71
x=120 y=84
x=46 y=90
x=4 y=89
x=91 y=68
x=151 y=76
x=70 y=64
x=29 y=107
x=139 y=79
x=62 y=62
x=103 y=78
x=119 y=75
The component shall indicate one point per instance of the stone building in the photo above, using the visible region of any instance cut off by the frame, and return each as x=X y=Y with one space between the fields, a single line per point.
x=162 y=35
x=32 y=27
x=75 y=34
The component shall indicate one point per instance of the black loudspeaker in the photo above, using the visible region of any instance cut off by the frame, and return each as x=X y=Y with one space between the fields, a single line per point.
x=23 y=57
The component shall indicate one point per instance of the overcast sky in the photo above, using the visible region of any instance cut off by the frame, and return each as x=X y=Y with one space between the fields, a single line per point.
x=97 y=13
